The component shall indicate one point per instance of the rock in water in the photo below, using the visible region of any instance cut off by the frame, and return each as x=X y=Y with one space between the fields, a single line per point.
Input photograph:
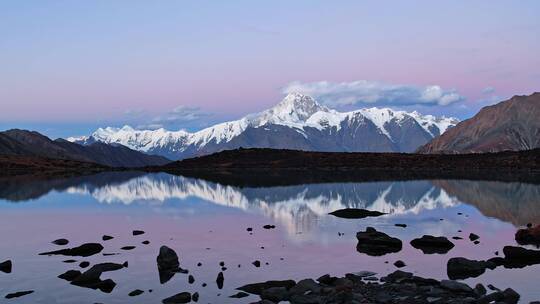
x=220 y=280
x=375 y=243
x=6 y=266
x=462 y=268
x=431 y=244
x=18 y=294
x=136 y=292
x=517 y=257
x=60 y=242
x=399 y=264
x=473 y=237
x=92 y=277
x=85 y=250
x=258 y=288
x=352 y=213
x=168 y=264
x=107 y=237
x=138 y=232
x=183 y=297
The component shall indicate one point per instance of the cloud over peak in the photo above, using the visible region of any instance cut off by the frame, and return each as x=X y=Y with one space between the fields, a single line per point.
x=375 y=93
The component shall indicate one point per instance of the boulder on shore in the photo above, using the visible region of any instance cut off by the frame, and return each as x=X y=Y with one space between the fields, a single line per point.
x=528 y=236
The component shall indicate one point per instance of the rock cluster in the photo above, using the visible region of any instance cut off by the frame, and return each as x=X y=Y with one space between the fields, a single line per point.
x=397 y=287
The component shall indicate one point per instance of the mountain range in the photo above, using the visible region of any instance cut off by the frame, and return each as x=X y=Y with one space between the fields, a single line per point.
x=513 y=124
x=17 y=142
x=297 y=122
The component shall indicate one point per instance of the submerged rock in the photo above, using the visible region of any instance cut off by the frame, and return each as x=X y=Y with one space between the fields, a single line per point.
x=85 y=250
x=353 y=213
x=431 y=244
x=401 y=225
x=375 y=243
x=179 y=298
x=6 y=266
x=60 y=242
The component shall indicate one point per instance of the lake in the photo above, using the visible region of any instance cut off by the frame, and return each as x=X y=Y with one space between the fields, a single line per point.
x=206 y=222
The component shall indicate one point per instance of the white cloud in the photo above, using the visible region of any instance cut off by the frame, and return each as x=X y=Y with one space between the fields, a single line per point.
x=375 y=93
x=179 y=117
x=488 y=90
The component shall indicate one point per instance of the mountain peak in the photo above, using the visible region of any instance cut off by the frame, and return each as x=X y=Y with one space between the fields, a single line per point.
x=297 y=106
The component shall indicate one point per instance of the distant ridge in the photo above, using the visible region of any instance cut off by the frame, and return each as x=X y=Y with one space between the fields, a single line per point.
x=297 y=122
x=17 y=142
x=269 y=159
x=511 y=125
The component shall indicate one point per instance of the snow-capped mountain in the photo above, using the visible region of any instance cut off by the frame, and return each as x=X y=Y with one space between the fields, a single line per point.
x=297 y=122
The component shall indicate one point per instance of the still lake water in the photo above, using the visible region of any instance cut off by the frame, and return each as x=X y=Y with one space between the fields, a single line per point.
x=206 y=222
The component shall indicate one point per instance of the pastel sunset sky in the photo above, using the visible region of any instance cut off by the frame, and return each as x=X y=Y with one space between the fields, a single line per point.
x=68 y=67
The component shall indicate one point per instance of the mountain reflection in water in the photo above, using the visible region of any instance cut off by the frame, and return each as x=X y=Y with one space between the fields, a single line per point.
x=297 y=207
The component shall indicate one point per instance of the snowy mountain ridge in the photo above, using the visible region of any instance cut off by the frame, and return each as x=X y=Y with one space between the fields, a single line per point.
x=296 y=115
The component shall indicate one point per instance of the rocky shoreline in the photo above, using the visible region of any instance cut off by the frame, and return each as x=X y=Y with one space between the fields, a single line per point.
x=364 y=287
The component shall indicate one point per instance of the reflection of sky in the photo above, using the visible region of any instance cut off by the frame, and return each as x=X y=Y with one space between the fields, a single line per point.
x=191 y=224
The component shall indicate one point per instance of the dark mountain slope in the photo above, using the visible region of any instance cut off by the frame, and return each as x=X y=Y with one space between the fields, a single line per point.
x=17 y=142
x=512 y=125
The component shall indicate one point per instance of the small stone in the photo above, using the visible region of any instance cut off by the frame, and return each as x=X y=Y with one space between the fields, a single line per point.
x=128 y=248
x=399 y=264
x=269 y=226
x=136 y=292
x=257 y=263
x=195 y=297
x=145 y=242
x=60 y=242
x=6 y=266
x=107 y=237
x=137 y=232
x=84 y=264
x=473 y=237
x=191 y=279
x=220 y=280
x=401 y=225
